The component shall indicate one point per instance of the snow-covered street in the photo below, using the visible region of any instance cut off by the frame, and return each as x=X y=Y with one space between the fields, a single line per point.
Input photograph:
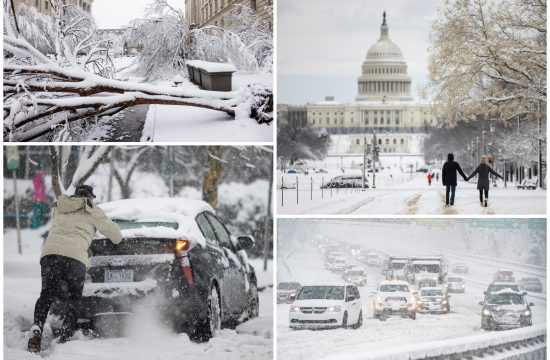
x=300 y=260
x=401 y=193
x=148 y=340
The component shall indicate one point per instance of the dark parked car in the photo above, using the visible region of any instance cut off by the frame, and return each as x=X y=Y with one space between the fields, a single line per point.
x=505 y=309
x=531 y=284
x=346 y=181
x=178 y=251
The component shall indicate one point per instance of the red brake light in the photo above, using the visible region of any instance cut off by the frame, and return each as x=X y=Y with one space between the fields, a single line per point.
x=182 y=245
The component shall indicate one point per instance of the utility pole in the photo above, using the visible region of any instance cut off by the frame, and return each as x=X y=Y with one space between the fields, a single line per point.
x=540 y=147
x=171 y=170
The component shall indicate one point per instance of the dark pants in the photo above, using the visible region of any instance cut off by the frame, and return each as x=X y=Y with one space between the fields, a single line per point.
x=62 y=279
x=451 y=189
x=481 y=191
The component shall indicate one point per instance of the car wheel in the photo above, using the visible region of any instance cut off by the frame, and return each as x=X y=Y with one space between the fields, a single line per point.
x=359 y=320
x=209 y=327
x=345 y=321
x=253 y=303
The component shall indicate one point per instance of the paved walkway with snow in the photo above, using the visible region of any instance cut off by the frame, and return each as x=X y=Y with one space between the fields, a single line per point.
x=407 y=194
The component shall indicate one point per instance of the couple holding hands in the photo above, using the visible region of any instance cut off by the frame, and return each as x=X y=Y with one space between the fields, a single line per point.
x=448 y=175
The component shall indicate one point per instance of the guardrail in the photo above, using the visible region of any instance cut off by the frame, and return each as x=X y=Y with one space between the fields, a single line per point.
x=523 y=343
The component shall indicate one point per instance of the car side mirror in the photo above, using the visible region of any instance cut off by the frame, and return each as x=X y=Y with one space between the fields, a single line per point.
x=525 y=293
x=531 y=304
x=246 y=242
x=292 y=297
x=350 y=298
x=481 y=303
x=485 y=293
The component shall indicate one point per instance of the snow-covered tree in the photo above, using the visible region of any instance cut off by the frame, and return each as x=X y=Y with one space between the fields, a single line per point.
x=44 y=94
x=168 y=41
x=295 y=142
x=488 y=60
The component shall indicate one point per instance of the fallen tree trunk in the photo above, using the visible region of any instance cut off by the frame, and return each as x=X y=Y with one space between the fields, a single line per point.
x=40 y=97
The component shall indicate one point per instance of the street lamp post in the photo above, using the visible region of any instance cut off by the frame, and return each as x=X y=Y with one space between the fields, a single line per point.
x=491 y=148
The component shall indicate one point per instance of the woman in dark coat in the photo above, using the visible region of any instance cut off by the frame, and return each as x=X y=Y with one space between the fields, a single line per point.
x=483 y=170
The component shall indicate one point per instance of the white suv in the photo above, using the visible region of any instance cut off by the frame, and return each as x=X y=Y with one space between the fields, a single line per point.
x=327 y=306
x=394 y=298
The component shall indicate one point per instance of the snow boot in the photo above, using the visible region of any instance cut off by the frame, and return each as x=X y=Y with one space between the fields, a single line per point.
x=485 y=202
x=35 y=340
x=481 y=203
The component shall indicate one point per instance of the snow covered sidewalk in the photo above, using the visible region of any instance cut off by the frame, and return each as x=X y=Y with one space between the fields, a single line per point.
x=408 y=194
x=185 y=123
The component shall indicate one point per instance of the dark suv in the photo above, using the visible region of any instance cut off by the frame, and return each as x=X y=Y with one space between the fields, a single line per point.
x=178 y=251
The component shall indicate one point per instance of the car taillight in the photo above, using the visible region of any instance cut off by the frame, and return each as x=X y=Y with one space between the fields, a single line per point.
x=182 y=249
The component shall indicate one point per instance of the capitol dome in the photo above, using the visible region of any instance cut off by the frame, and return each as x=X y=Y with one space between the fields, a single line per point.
x=384 y=71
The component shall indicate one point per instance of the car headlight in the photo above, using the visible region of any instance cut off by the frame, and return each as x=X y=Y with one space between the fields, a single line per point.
x=335 y=308
x=444 y=301
x=462 y=286
x=412 y=299
x=379 y=299
x=527 y=313
x=292 y=294
x=487 y=312
x=294 y=309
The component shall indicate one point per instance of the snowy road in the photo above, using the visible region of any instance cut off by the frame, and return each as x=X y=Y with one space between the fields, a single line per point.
x=400 y=193
x=147 y=339
x=306 y=265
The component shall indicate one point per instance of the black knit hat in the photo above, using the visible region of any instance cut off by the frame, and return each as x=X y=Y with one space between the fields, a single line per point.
x=85 y=191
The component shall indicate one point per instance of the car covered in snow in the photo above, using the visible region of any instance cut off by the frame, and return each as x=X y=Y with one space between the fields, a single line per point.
x=504 y=276
x=326 y=306
x=287 y=291
x=531 y=284
x=356 y=275
x=394 y=297
x=454 y=284
x=505 y=309
x=346 y=181
x=460 y=268
x=177 y=252
x=373 y=259
x=433 y=300
x=338 y=265
x=497 y=286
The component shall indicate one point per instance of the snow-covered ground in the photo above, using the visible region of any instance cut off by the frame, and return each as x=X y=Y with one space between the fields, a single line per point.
x=147 y=340
x=185 y=123
x=303 y=262
x=397 y=192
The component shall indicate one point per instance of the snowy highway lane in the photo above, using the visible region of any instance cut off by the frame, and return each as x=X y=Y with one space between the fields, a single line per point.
x=307 y=266
x=146 y=338
x=402 y=194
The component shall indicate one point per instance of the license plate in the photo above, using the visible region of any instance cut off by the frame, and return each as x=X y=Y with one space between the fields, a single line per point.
x=112 y=276
x=395 y=307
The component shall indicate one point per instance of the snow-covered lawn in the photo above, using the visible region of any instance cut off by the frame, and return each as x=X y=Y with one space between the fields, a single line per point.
x=400 y=192
x=306 y=265
x=185 y=123
x=150 y=340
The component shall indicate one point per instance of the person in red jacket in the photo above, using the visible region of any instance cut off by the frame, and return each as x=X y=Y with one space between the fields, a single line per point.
x=430 y=177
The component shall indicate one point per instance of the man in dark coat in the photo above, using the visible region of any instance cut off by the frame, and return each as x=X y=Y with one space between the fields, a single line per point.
x=448 y=175
x=482 y=172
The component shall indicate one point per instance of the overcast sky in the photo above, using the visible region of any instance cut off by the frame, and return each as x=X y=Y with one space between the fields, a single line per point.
x=111 y=16
x=322 y=43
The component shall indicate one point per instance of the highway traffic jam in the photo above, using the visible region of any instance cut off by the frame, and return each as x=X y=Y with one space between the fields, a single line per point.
x=384 y=296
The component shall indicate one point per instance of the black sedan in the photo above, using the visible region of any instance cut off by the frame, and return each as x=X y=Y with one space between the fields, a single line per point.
x=185 y=259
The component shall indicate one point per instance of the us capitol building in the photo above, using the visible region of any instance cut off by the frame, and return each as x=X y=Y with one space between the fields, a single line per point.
x=384 y=105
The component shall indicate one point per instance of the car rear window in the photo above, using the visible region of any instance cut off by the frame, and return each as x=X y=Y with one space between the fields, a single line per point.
x=132 y=224
x=133 y=246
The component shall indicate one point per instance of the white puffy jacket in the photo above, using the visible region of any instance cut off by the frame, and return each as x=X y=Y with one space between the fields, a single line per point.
x=74 y=224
